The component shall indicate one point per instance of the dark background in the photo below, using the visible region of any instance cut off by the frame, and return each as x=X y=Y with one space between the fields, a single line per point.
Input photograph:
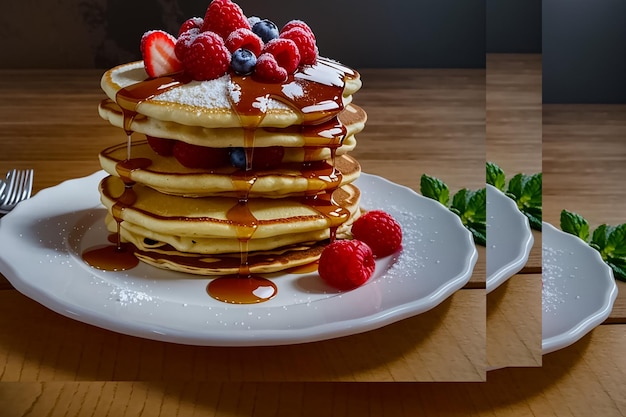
x=359 y=33
x=513 y=26
x=584 y=51
x=583 y=42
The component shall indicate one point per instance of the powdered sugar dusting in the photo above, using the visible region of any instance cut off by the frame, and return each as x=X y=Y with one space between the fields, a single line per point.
x=212 y=93
x=552 y=293
x=216 y=93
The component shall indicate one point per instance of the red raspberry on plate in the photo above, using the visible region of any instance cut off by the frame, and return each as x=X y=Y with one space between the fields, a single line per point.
x=194 y=156
x=268 y=157
x=206 y=57
x=298 y=24
x=193 y=23
x=163 y=147
x=305 y=43
x=346 y=264
x=223 y=17
x=268 y=70
x=380 y=231
x=244 y=38
x=286 y=53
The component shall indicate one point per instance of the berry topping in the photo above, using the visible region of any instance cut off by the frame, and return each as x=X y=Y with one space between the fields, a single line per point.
x=268 y=70
x=164 y=147
x=346 y=264
x=267 y=158
x=223 y=17
x=193 y=23
x=266 y=29
x=298 y=24
x=184 y=42
x=243 y=61
x=262 y=158
x=380 y=231
x=238 y=158
x=286 y=53
x=244 y=38
x=305 y=42
x=194 y=156
x=159 y=58
x=206 y=58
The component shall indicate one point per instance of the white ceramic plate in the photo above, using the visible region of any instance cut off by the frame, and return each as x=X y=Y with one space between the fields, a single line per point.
x=509 y=238
x=578 y=289
x=43 y=238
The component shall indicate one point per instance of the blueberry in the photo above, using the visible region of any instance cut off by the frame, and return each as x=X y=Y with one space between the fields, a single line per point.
x=266 y=30
x=238 y=158
x=243 y=61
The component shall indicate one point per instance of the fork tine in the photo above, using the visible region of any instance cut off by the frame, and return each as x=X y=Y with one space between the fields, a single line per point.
x=29 y=184
x=11 y=175
x=17 y=178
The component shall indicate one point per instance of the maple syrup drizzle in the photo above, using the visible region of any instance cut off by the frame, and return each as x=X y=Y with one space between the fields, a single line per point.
x=308 y=93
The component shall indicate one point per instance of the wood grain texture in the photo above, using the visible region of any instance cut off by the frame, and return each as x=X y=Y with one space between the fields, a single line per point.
x=584 y=162
x=443 y=344
x=514 y=322
x=513 y=142
x=582 y=380
x=420 y=121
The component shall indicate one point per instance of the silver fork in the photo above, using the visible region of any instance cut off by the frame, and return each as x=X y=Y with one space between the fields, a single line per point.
x=19 y=186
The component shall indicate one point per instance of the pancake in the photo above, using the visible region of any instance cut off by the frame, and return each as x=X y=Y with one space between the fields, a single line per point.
x=166 y=175
x=353 y=118
x=227 y=101
x=224 y=217
x=229 y=264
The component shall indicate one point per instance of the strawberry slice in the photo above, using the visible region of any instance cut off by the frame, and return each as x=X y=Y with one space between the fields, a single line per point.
x=157 y=49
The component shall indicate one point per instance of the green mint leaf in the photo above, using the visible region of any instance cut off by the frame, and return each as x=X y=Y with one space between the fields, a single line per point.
x=533 y=220
x=575 y=224
x=619 y=268
x=526 y=190
x=600 y=238
x=617 y=240
x=434 y=188
x=459 y=202
x=471 y=206
x=480 y=236
x=495 y=176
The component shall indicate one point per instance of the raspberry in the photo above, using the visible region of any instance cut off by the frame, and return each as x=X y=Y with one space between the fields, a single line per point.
x=161 y=146
x=223 y=17
x=298 y=24
x=194 y=156
x=244 y=38
x=346 y=264
x=184 y=41
x=268 y=70
x=193 y=23
x=267 y=158
x=206 y=58
x=380 y=231
x=286 y=53
x=305 y=43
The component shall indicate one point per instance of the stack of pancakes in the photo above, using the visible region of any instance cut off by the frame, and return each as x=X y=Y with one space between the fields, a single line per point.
x=229 y=220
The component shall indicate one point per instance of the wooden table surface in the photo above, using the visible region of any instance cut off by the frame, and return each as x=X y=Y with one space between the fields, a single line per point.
x=53 y=366
x=513 y=142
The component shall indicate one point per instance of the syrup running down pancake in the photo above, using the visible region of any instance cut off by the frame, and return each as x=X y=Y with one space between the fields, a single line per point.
x=274 y=183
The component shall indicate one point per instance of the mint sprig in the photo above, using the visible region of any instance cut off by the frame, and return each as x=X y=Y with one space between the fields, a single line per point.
x=469 y=205
x=610 y=241
x=524 y=189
